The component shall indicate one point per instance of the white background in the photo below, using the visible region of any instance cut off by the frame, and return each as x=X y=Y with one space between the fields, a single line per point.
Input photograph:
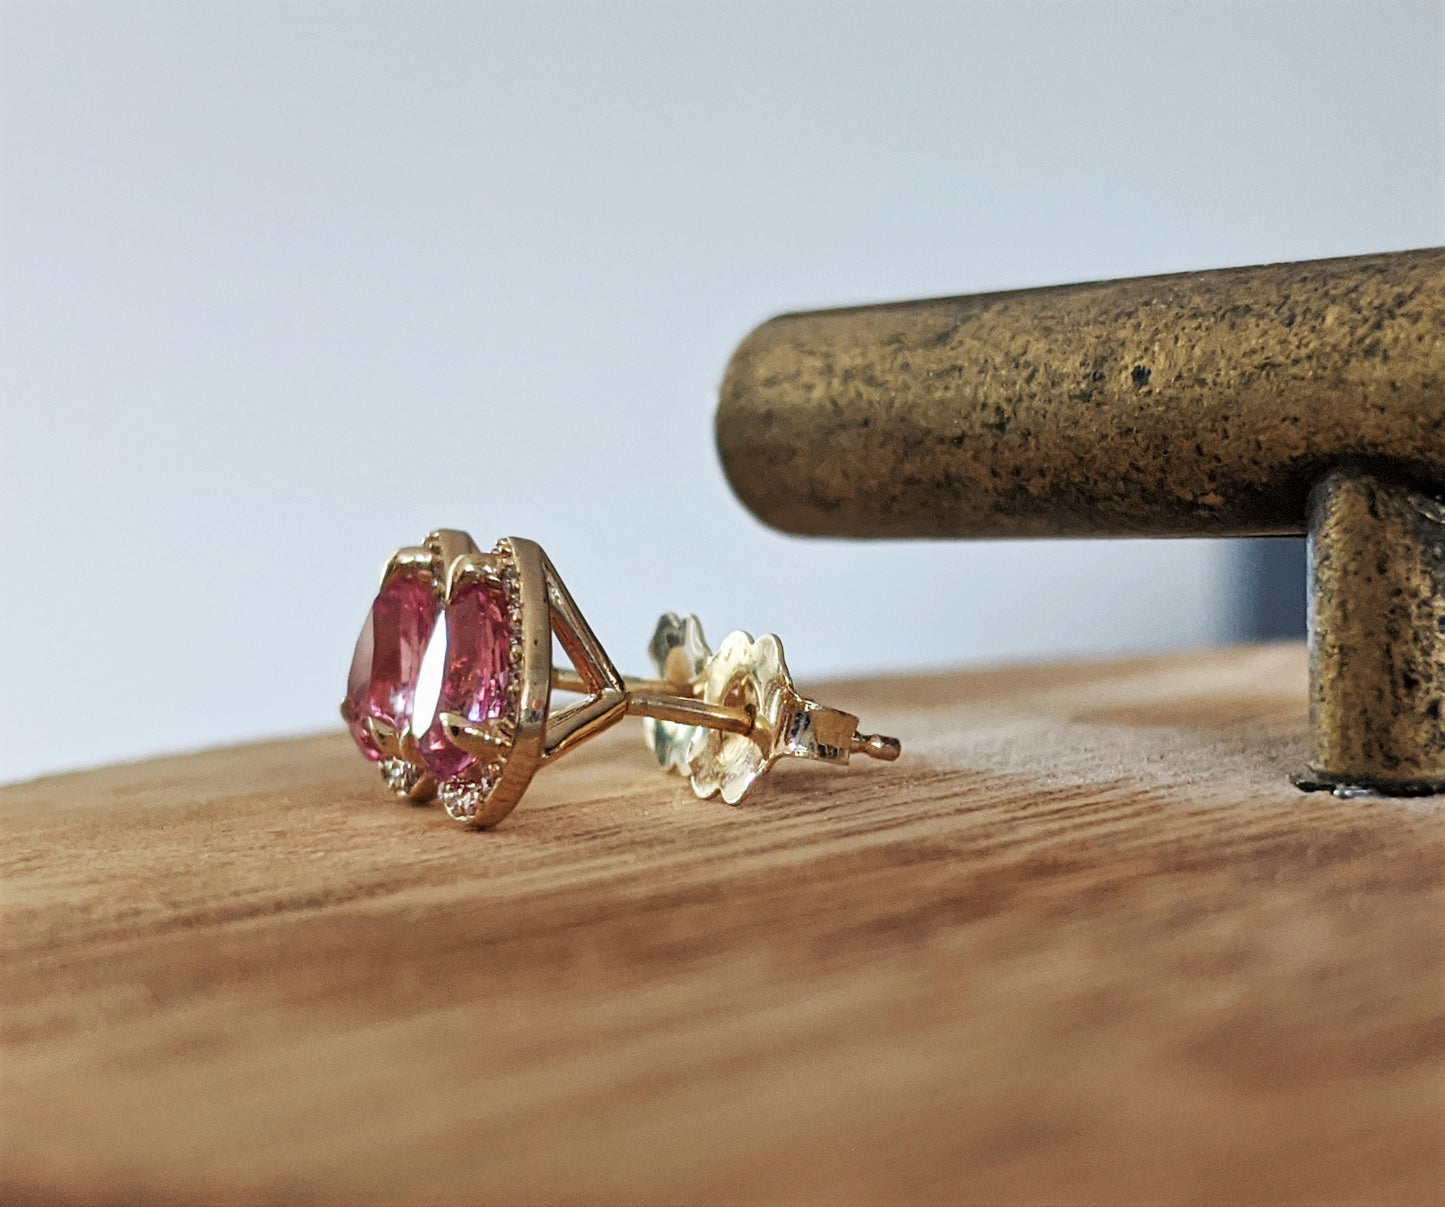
x=285 y=285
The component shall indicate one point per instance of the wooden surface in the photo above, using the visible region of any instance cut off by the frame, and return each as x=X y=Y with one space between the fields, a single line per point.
x=1084 y=943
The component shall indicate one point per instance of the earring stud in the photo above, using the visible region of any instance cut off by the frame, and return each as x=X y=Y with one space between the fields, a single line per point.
x=720 y=719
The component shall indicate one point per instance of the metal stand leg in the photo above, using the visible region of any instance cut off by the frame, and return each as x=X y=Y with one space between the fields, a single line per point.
x=1377 y=637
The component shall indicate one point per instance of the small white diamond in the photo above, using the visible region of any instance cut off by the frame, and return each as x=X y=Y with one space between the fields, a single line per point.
x=400 y=776
x=461 y=801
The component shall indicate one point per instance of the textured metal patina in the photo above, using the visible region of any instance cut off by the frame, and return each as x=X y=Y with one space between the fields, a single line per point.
x=1283 y=399
x=1377 y=638
x=1198 y=404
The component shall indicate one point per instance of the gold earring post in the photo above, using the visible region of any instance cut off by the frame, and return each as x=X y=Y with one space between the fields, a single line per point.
x=658 y=699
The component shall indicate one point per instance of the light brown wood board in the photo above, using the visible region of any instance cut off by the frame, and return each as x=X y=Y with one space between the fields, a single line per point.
x=1083 y=943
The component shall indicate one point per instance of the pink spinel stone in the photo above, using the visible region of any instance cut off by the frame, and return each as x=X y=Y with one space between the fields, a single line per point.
x=478 y=674
x=384 y=669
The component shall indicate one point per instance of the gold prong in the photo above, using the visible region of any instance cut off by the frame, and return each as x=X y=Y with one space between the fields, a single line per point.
x=387 y=740
x=346 y=712
x=423 y=790
x=412 y=557
x=473 y=567
x=409 y=749
x=485 y=740
x=449 y=544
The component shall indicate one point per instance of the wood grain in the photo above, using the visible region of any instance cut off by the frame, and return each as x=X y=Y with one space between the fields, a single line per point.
x=1083 y=944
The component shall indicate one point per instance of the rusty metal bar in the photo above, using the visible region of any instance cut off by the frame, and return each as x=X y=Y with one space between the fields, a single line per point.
x=1205 y=403
x=1285 y=399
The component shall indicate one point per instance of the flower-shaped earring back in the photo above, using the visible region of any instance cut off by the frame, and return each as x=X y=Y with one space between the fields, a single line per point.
x=753 y=676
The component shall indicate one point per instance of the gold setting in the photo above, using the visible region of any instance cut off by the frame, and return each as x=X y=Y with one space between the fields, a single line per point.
x=722 y=720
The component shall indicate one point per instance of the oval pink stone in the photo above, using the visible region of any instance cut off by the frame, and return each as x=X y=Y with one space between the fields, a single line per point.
x=384 y=668
x=477 y=676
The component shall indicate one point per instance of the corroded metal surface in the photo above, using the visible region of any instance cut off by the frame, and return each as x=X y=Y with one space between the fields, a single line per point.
x=1204 y=403
x=1282 y=399
x=1377 y=636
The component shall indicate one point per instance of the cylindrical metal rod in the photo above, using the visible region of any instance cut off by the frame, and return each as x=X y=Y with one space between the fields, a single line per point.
x=685 y=711
x=1202 y=404
x=664 y=701
x=1377 y=636
x=568 y=680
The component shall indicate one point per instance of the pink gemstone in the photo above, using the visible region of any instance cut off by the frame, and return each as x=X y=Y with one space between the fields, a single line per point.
x=384 y=669
x=478 y=674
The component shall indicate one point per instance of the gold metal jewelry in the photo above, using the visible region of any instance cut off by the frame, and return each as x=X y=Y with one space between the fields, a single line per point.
x=721 y=719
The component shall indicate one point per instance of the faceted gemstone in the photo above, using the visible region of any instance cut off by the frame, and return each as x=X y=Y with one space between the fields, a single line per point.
x=477 y=676
x=384 y=668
